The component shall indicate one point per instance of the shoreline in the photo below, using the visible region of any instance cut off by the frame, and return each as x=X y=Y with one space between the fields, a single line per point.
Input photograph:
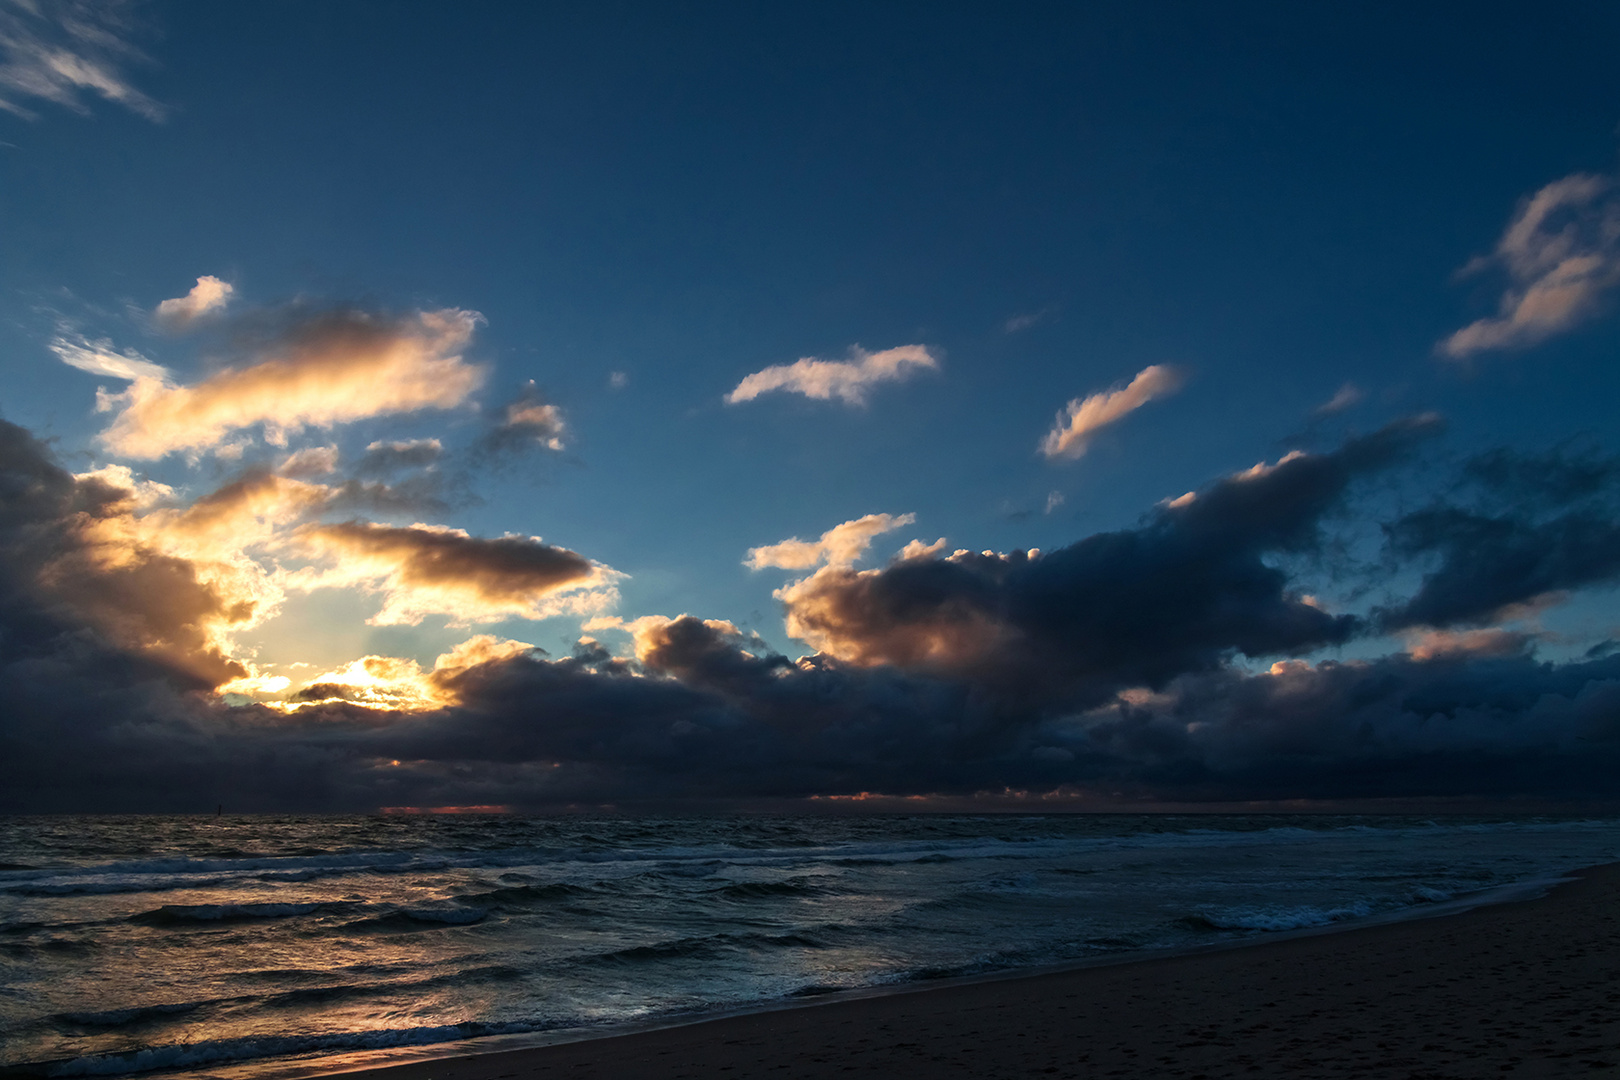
x=700 y=1043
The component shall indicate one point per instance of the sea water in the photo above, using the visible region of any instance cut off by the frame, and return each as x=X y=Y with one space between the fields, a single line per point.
x=248 y=945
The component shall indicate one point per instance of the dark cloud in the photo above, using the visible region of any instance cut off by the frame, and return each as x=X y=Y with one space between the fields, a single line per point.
x=429 y=556
x=526 y=423
x=68 y=568
x=1532 y=526
x=1063 y=692
x=428 y=569
x=1138 y=607
x=385 y=459
x=1488 y=564
x=421 y=494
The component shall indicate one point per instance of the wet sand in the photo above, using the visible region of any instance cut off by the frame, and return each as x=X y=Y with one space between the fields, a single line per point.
x=1527 y=989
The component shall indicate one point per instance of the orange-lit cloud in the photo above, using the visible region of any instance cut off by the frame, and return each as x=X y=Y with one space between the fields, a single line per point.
x=393 y=683
x=841 y=545
x=830 y=611
x=1453 y=644
x=1082 y=418
x=149 y=577
x=651 y=633
x=431 y=570
x=332 y=369
x=209 y=295
x=847 y=380
x=206 y=545
x=1561 y=252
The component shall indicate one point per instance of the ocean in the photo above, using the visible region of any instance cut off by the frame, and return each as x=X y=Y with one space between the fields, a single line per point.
x=262 y=946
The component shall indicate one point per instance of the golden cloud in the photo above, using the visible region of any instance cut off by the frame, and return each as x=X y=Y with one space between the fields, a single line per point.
x=840 y=545
x=829 y=611
x=333 y=369
x=179 y=581
x=393 y=683
x=1081 y=418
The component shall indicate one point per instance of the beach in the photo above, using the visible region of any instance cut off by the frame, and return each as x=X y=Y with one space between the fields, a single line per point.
x=1524 y=989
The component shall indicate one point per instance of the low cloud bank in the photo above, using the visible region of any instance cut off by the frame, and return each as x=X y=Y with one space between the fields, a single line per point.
x=1177 y=660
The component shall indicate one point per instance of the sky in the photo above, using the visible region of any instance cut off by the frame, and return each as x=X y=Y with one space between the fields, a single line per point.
x=876 y=406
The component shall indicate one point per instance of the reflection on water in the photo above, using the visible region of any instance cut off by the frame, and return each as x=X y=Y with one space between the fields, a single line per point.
x=143 y=943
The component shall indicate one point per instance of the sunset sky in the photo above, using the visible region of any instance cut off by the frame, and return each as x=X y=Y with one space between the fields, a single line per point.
x=1068 y=406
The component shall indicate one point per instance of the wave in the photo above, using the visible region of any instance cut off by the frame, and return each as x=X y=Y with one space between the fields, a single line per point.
x=247 y=1048
x=525 y=895
x=419 y=918
x=121 y=1017
x=705 y=946
x=231 y=866
x=170 y=914
x=1273 y=919
x=768 y=890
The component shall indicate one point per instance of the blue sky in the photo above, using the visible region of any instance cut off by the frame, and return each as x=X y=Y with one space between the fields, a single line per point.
x=645 y=205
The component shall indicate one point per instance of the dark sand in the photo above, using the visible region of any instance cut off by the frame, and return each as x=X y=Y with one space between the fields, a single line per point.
x=1519 y=989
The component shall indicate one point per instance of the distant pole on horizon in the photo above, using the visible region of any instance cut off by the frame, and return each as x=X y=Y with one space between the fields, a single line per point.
x=219 y=810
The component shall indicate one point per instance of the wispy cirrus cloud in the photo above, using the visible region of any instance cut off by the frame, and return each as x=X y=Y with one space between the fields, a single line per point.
x=1345 y=397
x=102 y=357
x=1082 y=418
x=209 y=295
x=1025 y=320
x=841 y=545
x=1561 y=253
x=847 y=380
x=59 y=50
x=327 y=369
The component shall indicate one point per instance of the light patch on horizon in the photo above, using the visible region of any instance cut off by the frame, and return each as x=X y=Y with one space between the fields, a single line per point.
x=1561 y=253
x=841 y=545
x=1079 y=420
x=333 y=369
x=55 y=55
x=209 y=295
x=426 y=570
x=101 y=357
x=847 y=380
